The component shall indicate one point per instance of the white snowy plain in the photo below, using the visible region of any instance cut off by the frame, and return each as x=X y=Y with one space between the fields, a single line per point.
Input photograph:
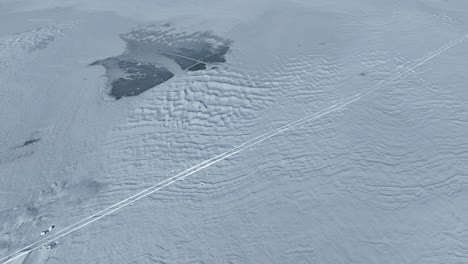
x=336 y=132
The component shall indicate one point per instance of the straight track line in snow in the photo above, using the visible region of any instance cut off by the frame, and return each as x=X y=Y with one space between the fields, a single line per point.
x=398 y=75
x=148 y=191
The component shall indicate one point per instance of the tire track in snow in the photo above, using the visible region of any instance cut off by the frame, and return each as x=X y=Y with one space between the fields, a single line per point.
x=119 y=205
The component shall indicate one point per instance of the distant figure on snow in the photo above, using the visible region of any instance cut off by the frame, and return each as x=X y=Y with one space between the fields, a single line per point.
x=52 y=245
x=47 y=231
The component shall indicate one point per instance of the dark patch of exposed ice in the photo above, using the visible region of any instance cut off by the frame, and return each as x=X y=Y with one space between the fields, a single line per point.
x=139 y=77
x=142 y=66
x=30 y=141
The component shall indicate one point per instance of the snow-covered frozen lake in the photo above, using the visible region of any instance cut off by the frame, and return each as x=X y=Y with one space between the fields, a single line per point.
x=266 y=131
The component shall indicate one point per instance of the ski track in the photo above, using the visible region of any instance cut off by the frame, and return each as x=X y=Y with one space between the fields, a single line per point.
x=207 y=163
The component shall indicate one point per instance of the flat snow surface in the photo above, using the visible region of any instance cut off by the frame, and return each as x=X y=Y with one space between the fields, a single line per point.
x=376 y=172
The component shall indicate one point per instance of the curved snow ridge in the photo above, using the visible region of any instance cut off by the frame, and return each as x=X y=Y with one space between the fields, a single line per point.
x=291 y=204
x=216 y=103
x=405 y=170
x=224 y=104
x=210 y=104
x=208 y=101
x=335 y=190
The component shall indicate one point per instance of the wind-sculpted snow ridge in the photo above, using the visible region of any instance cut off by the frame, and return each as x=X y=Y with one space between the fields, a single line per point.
x=239 y=184
x=334 y=132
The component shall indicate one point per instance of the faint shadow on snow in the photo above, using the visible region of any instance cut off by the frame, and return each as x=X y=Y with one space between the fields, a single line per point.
x=29 y=142
x=20 y=151
x=154 y=55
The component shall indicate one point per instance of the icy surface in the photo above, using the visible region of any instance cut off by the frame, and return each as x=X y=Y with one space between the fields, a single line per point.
x=150 y=56
x=376 y=173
